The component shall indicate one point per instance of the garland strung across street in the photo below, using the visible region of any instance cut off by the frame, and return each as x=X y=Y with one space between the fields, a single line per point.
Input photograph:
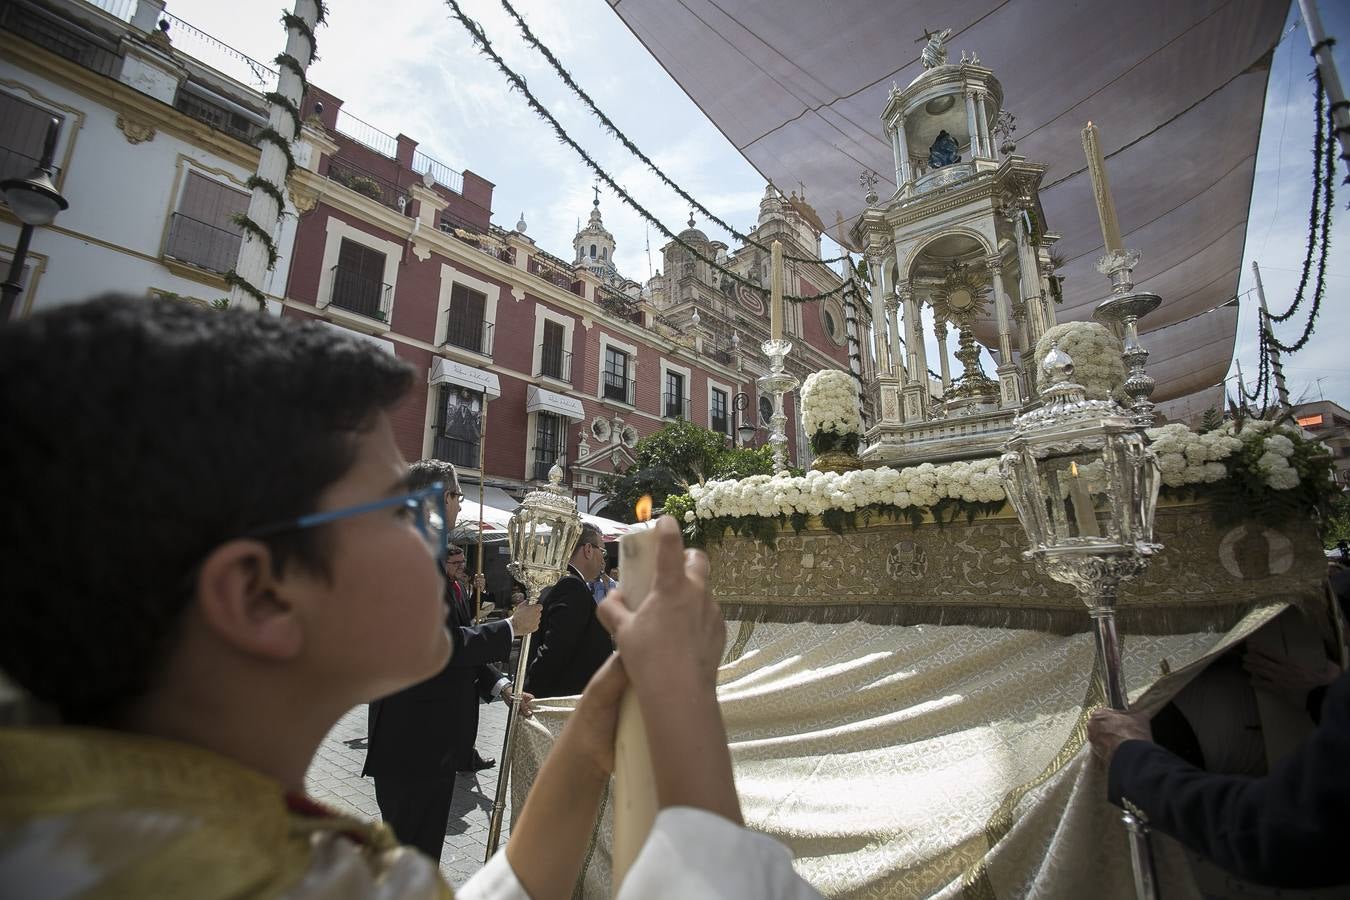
x=518 y=83
x=633 y=149
x=1319 y=223
x=268 y=202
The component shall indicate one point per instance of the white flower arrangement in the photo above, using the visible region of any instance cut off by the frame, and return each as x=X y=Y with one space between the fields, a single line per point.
x=1095 y=352
x=926 y=485
x=1190 y=458
x=830 y=403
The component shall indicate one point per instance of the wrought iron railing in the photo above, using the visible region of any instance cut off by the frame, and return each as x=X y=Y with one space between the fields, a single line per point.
x=474 y=335
x=443 y=174
x=231 y=122
x=202 y=244
x=618 y=388
x=360 y=294
x=555 y=362
x=456 y=450
x=675 y=406
x=544 y=460
x=65 y=39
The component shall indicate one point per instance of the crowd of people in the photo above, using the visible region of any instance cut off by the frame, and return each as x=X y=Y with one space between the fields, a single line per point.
x=215 y=549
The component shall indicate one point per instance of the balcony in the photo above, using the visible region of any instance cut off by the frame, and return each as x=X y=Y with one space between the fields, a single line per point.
x=360 y=294
x=555 y=363
x=544 y=459
x=617 y=388
x=228 y=121
x=368 y=184
x=474 y=335
x=202 y=244
x=554 y=275
x=453 y=450
x=674 y=406
x=66 y=39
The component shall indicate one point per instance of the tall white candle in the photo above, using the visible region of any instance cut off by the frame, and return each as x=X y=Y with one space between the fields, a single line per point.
x=1101 y=188
x=634 y=784
x=1083 y=509
x=775 y=294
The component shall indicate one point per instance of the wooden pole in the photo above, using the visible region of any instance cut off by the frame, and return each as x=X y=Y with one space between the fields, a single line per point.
x=482 y=480
x=635 y=804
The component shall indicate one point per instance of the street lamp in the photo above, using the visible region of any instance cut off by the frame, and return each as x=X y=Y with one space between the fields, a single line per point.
x=35 y=201
x=746 y=430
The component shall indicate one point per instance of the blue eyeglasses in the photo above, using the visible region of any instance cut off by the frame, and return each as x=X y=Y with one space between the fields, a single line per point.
x=426 y=505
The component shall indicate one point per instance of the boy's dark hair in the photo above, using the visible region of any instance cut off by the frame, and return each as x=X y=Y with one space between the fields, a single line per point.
x=141 y=435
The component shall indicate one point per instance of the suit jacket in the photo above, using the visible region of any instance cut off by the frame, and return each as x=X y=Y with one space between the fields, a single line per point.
x=428 y=730
x=1285 y=829
x=571 y=643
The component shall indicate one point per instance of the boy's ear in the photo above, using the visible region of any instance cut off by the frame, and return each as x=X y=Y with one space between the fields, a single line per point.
x=243 y=602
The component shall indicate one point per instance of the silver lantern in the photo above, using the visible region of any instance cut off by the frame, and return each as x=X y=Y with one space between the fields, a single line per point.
x=1084 y=484
x=541 y=536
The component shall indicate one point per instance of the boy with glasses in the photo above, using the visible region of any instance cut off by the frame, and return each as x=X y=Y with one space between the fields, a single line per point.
x=251 y=564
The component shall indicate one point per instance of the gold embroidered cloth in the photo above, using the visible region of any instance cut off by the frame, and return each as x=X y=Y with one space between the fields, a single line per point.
x=927 y=760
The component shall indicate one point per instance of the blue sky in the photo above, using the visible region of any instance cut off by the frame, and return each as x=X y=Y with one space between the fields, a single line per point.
x=412 y=68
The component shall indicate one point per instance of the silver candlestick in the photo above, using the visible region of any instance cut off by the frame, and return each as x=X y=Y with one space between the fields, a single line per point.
x=1122 y=312
x=776 y=384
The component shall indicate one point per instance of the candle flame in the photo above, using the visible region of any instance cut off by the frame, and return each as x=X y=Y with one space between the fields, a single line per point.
x=1073 y=469
x=643 y=509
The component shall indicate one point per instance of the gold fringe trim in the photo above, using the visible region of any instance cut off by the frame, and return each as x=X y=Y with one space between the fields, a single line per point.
x=1131 y=618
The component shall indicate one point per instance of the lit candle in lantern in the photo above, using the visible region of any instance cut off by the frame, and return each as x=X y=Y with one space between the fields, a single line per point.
x=1081 y=498
x=634 y=784
x=1101 y=188
x=775 y=294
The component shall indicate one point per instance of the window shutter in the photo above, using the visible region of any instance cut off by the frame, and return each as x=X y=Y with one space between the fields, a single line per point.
x=25 y=129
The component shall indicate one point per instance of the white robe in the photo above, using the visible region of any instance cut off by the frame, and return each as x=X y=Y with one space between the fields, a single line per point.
x=689 y=853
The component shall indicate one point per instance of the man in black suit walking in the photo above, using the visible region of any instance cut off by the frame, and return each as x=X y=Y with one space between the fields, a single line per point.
x=572 y=643
x=414 y=733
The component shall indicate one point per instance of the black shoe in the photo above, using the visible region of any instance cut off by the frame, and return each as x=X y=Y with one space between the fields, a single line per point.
x=479 y=764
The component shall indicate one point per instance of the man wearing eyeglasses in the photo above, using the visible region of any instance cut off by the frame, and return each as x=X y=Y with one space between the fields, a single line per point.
x=422 y=734
x=572 y=643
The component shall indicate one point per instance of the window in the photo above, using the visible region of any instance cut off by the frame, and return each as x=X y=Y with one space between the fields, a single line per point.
x=203 y=231
x=23 y=131
x=548 y=431
x=358 y=281
x=765 y=411
x=465 y=325
x=459 y=426
x=554 y=361
x=675 y=406
x=717 y=408
x=616 y=376
x=592 y=251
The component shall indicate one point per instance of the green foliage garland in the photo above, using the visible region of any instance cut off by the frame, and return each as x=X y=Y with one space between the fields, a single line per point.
x=518 y=84
x=632 y=148
x=290 y=62
x=259 y=233
x=234 y=279
x=275 y=137
x=291 y=20
x=285 y=103
x=268 y=188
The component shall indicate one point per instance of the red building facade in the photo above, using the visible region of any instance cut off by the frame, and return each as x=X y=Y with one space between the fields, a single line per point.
x=576 y=363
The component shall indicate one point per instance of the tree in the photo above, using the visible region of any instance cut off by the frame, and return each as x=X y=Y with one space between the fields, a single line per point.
x=1211 y=420
x=678 y=455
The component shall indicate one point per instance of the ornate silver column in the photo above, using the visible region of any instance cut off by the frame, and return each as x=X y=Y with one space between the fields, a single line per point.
x=1084 y=484
x=1009 y=384
x=940 y=330
x=1121 y=312
x=777 y=383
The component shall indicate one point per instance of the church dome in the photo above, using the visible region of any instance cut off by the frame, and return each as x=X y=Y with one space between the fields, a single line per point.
x=692 y=235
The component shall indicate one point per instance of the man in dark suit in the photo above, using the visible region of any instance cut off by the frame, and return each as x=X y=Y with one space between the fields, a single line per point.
x=572 y=643
x=414 y=733
x=1287 y=829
